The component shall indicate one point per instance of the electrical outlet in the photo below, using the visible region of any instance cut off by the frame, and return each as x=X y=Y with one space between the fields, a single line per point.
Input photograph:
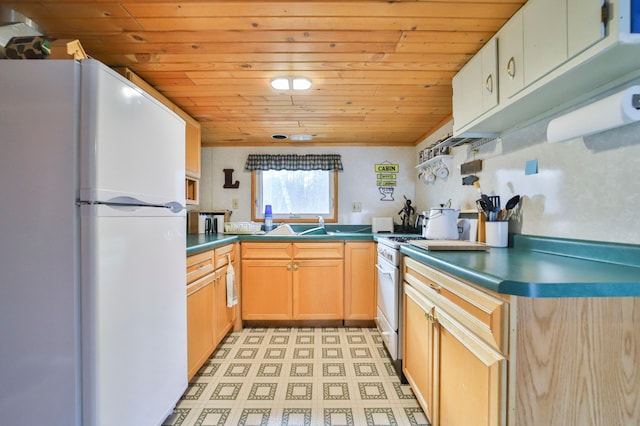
x=356 y=207
x=234 y=204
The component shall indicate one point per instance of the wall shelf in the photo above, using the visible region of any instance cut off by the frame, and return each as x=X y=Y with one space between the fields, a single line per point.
x=440 y=159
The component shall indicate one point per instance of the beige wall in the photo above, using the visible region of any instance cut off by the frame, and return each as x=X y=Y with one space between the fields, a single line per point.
x=587 y=188
x=357 y=183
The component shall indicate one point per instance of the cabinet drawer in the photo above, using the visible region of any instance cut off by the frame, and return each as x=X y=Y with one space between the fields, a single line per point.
x=266 y=250
x=318 y=250
x=222 y=255
x=485 y=315
x=199 y=265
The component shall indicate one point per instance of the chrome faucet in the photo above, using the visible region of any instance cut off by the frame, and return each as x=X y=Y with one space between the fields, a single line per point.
x=321 y=221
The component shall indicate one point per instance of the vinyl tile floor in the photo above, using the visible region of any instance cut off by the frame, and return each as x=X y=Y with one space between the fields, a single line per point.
x=298 y=376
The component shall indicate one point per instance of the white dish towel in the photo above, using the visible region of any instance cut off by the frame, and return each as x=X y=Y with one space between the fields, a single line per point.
x=232 y=294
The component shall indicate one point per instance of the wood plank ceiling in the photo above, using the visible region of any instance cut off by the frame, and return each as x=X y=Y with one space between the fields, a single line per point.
x=381 y=70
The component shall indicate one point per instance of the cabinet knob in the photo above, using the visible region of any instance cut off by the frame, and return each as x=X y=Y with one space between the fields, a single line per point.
x=488 y=84
x=435 y=287
x=288 y=266
x=295 y=266
x=511 y=68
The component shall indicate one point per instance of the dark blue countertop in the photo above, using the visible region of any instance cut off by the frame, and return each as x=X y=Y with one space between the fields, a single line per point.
x=544 y=267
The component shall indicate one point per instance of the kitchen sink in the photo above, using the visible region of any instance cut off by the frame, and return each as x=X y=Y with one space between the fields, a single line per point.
x=315 y=231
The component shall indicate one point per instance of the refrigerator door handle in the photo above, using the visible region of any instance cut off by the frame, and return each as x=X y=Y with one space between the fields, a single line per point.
x=124 y=201
x=174 y=206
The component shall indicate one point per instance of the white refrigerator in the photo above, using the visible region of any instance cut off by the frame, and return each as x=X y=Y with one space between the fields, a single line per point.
x=92 y=248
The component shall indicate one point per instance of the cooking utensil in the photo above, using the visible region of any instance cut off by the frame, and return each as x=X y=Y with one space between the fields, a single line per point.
x=505 y=213
x=495 y=200
x=487 y=201
x=482 y=206
x=511 y=204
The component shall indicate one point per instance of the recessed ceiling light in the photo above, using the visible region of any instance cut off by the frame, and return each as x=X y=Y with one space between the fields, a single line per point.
x=280 y=83
x=301 y=137
x=301 y=83
x=288 y=83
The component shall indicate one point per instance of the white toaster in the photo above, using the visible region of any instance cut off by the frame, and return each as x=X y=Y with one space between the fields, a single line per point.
x=381 y=224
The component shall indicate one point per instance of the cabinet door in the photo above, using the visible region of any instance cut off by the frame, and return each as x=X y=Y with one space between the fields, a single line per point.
x=192 y=147
x=489 y=83
x=545 y=37
x=418 y=349
x=510 y=57
x=585 y=27
x=224 y=316
x=266 y=289
x=475 y=87
x=318 y=289
x=471 y=376
x=200 y=331
x=360 y=281
x=467 y=97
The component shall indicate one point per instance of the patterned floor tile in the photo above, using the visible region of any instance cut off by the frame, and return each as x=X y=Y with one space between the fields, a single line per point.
x=269 y=370
x=288 y=376
x=263 y=391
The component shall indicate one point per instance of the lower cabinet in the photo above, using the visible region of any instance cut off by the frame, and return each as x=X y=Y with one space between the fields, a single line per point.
x=208 y=317
x=418 y=348
x=454 y=338
x=360 y=280
x=200 y=332
x=292 y=281
x=267 y=289
x=224 y=316
x=318 y=289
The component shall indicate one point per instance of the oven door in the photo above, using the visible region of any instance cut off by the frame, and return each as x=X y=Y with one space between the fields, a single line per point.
x=388 y=292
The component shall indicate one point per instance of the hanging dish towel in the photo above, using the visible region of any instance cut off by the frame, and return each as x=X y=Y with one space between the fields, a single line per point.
x=232 y=294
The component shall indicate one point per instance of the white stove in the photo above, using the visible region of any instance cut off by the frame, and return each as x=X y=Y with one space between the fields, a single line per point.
x=389 y=301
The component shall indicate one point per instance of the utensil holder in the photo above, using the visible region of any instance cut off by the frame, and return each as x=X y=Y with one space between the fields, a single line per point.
x=497 y=233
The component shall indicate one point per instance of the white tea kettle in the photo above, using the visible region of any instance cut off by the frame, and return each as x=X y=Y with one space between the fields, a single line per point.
x=442 y=224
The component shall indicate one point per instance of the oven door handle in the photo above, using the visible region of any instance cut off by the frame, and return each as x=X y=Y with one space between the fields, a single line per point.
x=382 y=270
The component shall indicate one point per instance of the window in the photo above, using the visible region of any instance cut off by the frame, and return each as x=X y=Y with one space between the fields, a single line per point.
x=296 y=195
x=298 y=187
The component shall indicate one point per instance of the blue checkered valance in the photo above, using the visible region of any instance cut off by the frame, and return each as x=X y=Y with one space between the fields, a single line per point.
x=293 y=162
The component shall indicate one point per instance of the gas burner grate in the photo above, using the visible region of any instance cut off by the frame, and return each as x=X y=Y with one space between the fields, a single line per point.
x=405 y=239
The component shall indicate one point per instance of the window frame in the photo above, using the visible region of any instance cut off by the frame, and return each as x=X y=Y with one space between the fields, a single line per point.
x=258 y=216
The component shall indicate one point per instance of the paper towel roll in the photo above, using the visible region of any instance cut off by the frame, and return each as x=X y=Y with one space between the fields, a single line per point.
x=613 y=111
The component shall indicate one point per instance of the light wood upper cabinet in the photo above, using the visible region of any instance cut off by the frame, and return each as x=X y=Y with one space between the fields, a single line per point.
x=192 y=144
x=360 y=281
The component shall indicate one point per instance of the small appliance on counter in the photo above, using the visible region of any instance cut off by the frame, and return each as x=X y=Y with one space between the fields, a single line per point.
x=207 y=222
x=381 y=224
